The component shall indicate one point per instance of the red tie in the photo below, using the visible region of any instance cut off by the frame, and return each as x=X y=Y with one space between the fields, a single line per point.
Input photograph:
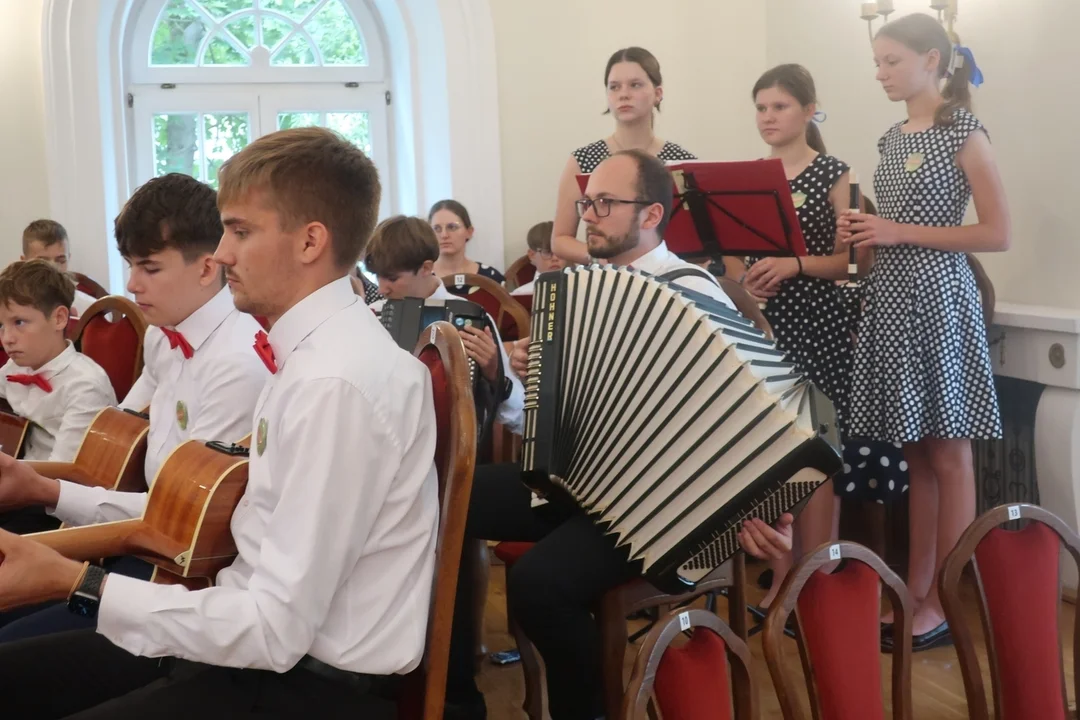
x=265 y=352
x=38 y=380
x=177 y=340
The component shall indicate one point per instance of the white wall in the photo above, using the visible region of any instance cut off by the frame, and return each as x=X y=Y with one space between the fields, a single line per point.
x=1028 y=103
x=24 y=190
x=551 y=58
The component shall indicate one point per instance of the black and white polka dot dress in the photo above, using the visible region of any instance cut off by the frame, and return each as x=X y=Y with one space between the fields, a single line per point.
x=922 y=365
x=812 y=327
x=590 y=156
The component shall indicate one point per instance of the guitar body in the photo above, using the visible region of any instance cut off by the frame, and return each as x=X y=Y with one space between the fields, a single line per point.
x=112 y=454
x=185 y=530
x=12 y=433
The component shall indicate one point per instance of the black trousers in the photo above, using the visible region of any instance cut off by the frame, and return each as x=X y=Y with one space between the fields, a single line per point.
x=80 y=675
x=552 y=591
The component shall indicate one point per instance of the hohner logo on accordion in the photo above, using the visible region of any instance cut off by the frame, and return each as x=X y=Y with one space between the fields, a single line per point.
x=668 y=417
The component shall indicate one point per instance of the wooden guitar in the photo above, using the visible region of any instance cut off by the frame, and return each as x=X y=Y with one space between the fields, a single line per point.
x=185 y=529
x=13 y=431
x=112 y=454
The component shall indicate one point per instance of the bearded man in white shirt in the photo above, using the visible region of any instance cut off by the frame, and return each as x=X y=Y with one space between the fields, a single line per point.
x=329 y=593
x=200 y=379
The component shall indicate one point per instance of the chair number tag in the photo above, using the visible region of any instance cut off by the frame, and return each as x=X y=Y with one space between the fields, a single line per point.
x=834 y=552
x=459 y=280
x=1014 y=512
x=684 y=621
x=433 y=334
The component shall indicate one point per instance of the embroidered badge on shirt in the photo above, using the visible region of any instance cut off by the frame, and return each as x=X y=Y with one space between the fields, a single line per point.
x=260 y=438
x=914 y=161
x=181 y=414
x=799 y=199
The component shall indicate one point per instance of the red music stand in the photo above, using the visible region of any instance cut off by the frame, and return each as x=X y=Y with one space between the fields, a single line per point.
x=731 y=208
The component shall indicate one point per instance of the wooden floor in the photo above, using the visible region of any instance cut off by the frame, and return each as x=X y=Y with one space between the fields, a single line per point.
x=937 y=687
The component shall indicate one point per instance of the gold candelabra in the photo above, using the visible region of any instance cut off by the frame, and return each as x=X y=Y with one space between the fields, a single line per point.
x=946 y=12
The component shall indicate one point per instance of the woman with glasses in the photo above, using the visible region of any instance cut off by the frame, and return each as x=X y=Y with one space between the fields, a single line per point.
x=634 y=93
x=450 y=221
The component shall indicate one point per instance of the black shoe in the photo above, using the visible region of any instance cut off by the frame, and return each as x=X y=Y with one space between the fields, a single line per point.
x=937 y=637
x=473 y=710
x=764 y=580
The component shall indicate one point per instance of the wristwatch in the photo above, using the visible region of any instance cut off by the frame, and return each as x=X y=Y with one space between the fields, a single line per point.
x=87 y=596
x=506 y=389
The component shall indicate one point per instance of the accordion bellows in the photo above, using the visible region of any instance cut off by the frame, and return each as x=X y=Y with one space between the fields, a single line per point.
x=668 y=417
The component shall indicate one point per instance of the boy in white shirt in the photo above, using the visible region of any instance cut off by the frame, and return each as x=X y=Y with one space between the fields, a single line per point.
x=330 y=592
x=48 y=240
x=402 y=254
x=540 y=255
x=200 y=378
x=45 y=380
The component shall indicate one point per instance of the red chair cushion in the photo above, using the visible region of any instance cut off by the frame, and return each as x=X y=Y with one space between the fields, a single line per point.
x=1019 y=572
x=839 y=617
x=511 y=552
x=114 y=346
x=692 y=681
x=441 y=394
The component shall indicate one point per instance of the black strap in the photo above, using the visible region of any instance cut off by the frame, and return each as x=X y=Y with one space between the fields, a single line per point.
x=682 y=272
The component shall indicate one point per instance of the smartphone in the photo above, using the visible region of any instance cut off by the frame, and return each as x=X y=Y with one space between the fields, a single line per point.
x=505 y=657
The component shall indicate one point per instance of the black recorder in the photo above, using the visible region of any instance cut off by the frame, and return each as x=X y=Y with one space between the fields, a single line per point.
x=406 y=319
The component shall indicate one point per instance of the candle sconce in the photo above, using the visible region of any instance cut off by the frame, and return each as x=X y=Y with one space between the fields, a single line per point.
x=946 y=12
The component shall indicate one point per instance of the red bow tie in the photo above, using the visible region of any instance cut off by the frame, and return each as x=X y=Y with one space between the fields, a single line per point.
x=177 y=340
x=38 y=380
x=265 y=352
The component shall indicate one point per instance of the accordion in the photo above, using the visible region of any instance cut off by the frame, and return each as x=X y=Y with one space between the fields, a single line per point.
x=667 y=417
x=406 y=318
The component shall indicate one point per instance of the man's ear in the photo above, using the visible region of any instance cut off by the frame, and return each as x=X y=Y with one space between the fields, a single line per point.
x=316 y=242
x=60 y=317
x=652 y=215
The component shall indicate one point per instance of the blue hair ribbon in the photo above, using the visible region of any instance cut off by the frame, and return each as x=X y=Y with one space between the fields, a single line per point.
x=969 y=60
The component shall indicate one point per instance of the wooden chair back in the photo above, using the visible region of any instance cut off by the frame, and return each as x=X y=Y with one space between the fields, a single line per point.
x=521 y=272
x=1017 y=577
x=691 y=682
x=510 y=317
x=111 y=332
x=442 y=351
x=89 y=286
x=839 y=636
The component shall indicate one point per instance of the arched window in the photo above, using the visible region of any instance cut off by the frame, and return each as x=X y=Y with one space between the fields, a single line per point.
x=209 y=76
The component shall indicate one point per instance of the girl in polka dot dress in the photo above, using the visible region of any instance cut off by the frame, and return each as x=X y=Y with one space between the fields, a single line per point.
x=921 y=374
x=803 y=306
x=634 y=93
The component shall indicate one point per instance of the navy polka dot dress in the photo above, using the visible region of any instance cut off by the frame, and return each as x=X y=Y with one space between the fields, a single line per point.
x=592 y=155
x=812 y=327
x=922 y=365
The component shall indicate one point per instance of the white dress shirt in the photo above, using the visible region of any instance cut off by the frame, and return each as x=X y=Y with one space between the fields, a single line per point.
x=82 y=303
x=511 y=411
x=80 y=389
x=337 y=529
x=526 y=289
x=208 y=397
x=660 y=260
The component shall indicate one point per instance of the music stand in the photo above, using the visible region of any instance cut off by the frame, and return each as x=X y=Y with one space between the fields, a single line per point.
x=731 y=208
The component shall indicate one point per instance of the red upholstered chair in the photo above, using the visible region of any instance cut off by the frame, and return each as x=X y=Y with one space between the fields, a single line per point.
x=510 y=317
x=111 y=333
x=89 y=286
x=521 y=272
x=424 y=691
x=1017 y=576
x=691 y=682
x=839 y=636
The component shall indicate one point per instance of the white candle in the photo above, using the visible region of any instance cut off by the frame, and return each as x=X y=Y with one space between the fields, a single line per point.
x=869 y=11
x=884 y=7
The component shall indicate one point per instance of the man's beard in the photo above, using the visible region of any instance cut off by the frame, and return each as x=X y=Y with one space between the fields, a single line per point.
x=605 y=247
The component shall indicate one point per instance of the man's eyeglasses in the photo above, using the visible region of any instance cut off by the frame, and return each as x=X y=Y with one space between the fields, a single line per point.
x=602 y=206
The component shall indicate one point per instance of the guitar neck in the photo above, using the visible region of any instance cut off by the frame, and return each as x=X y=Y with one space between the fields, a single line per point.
x=112 y=539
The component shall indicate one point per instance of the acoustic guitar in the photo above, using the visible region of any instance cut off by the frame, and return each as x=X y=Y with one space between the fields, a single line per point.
x=112 y=454
x=13 y=431
x=184 y=531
